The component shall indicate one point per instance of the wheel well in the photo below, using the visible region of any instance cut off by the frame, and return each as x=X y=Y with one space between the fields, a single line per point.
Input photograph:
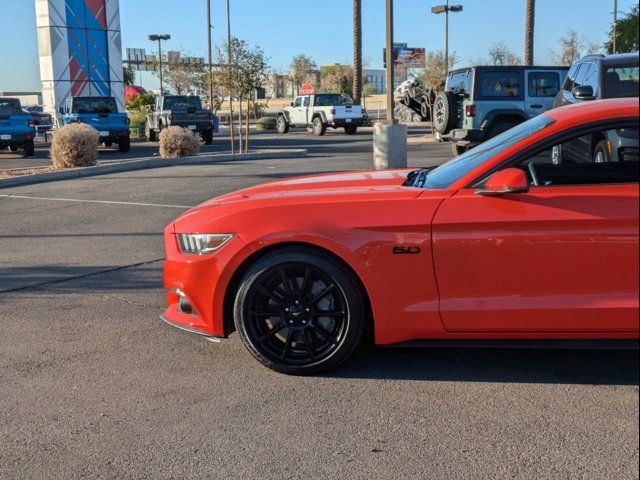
x=234 y=283
x=317 y=115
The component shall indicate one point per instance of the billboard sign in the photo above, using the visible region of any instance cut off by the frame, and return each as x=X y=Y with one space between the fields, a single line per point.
x=406 y=57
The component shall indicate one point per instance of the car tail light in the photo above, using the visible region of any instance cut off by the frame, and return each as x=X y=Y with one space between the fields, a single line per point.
x=210 y=116
x=123 y=134
x=209 y=127
x=28 y=136
x=471 y=110
x=32 y=123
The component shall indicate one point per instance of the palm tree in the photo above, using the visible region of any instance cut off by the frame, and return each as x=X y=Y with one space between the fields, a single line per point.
x=530 y=27
x=357 y=51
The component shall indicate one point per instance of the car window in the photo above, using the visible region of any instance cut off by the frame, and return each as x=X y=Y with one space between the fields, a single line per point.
x=10 y=106
x=500 y=84
x=621 y=82
x=307 y=101
x=182 y=103
x=591 y=79
x=580 y=76
x=328 y=100
x=298 y=102
x=459 y=82
x=88 y=105
x=446 y=174
x=543 y=84
x=571 y=76
x=599 y=157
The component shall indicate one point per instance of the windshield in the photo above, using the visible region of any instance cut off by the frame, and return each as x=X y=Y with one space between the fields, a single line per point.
x=182 y=103
x=621 y=81
x=94 y=105
x=445 y=175
x=10 y=106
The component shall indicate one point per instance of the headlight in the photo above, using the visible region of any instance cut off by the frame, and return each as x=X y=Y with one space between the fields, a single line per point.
x=201 y=244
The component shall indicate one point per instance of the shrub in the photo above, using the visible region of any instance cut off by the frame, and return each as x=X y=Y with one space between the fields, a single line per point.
x=178 y=142
x=266 y=123
x=75 y=145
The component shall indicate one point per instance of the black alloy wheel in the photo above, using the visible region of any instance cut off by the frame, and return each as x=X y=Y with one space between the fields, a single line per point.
x=299 y=312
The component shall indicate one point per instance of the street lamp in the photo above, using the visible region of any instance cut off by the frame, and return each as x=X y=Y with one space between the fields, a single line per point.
x=446 y=9
x=159 y=39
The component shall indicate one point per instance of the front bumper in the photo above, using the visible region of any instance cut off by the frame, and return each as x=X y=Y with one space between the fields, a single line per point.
x=209 y=338
x=203 y=280
x=465 y=137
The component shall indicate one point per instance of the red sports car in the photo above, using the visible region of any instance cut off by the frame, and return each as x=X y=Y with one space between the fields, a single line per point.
x=530 y=237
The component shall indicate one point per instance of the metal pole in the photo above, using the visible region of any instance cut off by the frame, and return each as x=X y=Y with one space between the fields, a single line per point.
x=530 y=31
x=210 y=27
x=390 y=65
x=160 y=60
x=615 y=26
x=446 y=39
x=230 y=61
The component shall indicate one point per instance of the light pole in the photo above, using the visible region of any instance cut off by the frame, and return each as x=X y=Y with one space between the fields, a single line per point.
x=390 y=65
x=230 y=72
x=446 y=9
x=159 y=39
x=615 y=26
x=209 y=28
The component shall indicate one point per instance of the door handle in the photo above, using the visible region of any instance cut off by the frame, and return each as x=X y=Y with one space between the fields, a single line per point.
x=536 y=105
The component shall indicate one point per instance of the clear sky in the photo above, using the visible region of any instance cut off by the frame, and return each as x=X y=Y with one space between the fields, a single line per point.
x=284 y=28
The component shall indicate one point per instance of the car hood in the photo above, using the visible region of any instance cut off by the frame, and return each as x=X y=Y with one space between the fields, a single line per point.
x=344 y=183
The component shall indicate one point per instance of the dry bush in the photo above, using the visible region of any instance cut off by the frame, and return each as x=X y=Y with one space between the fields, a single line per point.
x=75 y=145
x=178 y=142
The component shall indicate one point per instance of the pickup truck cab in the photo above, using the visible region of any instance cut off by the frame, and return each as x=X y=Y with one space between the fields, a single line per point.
x=182 y=111
x=321 y=111
x=100 y=113
x=16 y=127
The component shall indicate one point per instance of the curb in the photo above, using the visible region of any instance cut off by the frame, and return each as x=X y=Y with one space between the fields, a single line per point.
x=145 y=163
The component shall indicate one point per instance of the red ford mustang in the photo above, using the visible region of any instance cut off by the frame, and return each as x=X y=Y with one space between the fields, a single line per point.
x=532 y=236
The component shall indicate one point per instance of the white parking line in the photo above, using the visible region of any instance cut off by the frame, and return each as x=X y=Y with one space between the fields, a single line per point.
x=103 y=202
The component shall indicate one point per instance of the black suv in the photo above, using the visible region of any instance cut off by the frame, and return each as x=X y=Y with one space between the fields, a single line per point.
x=599 y=76
x=483 y=101
x=593 y=78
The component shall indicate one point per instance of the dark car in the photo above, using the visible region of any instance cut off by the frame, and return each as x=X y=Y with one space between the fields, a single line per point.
x=39 y=117
x=16 y=127
x=598 y=77
x=181 y=111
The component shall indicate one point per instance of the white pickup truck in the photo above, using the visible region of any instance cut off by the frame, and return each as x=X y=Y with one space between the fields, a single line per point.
x=321 y=111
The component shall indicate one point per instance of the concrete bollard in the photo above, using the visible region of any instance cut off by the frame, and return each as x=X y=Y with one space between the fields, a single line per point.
x=389 y=146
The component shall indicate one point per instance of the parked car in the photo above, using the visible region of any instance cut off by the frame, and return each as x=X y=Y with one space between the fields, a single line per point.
x=496 y=247
x=16 y=127
x=100 y=113
x=481 y=102
x=600 y=77
x=418 y=98
x=320 y=112
x=39 y=117
x=182 y=111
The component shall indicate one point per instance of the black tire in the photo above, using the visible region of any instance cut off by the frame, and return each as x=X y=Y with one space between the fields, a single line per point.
x=445 y=112
x=279 y=305
x=29 y=148
x=124 y=144
x=319 y=127
x=424 y=110
x=351 y=129
x=149 y=133
x=601 y=152
x=408 y=101
x=500 y=127
x=13 y=148
x=108 y=143
x=282 y=126
x=207 y=137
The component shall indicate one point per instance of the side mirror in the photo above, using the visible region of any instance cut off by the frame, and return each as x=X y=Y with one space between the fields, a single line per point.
x=293 y=104
x=61 y=110
x=509 y=180
x=584 y=92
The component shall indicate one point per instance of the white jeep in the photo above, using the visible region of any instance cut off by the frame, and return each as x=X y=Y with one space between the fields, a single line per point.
x=321 y=111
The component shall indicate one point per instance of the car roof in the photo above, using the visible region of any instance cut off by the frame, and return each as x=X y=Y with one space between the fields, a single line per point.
x=510 y=67
x=585 y=112
x=613 y=59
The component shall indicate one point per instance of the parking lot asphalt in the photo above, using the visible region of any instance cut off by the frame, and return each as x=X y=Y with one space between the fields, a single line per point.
x=92 y=384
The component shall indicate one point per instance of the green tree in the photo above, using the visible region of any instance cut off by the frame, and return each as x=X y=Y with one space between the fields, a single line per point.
x=337 y=79
x=501 y=54
x=627 y=36
x=301 y=67
x=128 y=75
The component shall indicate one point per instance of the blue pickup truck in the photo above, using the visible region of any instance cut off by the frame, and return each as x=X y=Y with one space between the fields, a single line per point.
x=16 y=127
x=100 y=113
